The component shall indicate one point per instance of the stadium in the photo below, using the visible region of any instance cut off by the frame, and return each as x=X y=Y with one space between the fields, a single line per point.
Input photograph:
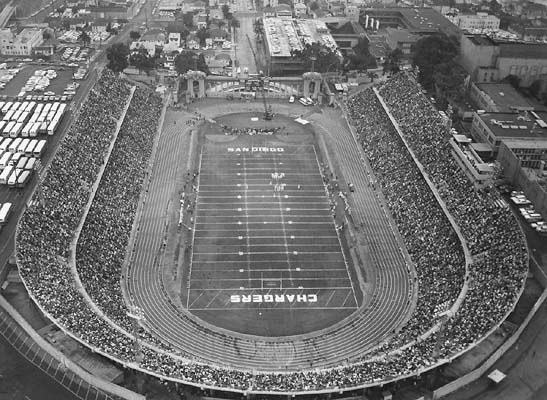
x=228 y=252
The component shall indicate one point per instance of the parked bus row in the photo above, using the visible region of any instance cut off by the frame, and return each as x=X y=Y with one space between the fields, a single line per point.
x=45 y=120
x=26 y=147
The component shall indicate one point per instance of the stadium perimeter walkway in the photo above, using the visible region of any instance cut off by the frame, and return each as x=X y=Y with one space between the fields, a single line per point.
x=525 y=364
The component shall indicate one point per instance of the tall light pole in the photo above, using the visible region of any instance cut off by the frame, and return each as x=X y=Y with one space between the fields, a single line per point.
x=136 y=314
x=313 y=58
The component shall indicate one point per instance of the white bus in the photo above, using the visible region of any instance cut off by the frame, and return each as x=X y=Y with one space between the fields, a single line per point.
x=16 y=115
x=53 y=125
x=34 y=130
x=4 y=212
x=14 y=145
x=8 y=115
x=2 y=124
x=31 y=146
x=2 y=104
x=43 y=127
x=26 y=130
x=39 y=149
x=30 y=106
x=14 y=160
x=5 y=144
x=22 y=162
x=50 y=116
x=55 y=106
x=6 y=107
x=16 y=130
x=4 y=160
x=8 y=128
x=12 y=180
x=23 y=179
x=46 y=108
x=23 y=117
x=5 y=174
x=15 y=106
x=30 y=163
x=23 y=146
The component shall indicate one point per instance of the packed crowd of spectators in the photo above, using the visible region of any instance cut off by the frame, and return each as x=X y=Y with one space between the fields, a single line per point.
x=46 y=231
x=105 y=234
x=429 y=237
x=491 y=233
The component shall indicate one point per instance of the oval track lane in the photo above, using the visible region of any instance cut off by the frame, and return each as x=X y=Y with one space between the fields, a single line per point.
x=368 y=327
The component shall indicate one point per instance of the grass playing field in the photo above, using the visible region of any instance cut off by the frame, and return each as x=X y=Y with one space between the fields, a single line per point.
x=266 y=255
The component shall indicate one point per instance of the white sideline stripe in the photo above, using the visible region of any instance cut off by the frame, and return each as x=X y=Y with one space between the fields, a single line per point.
x=333 y=288
x=264 y=223
x=266 y=261
x=277 y=278
x=263 y=209
x=242 y=253
x=264 y=216
x=304 y=306
x=264 y=245
x=267 y=237
x=238 y=270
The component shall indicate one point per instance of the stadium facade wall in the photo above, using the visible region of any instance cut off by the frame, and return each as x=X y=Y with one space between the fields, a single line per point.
x=480 y=371
x=92 y=380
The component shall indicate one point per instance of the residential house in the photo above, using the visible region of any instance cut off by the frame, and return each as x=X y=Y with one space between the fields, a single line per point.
x=174 y=38
x=192 y=42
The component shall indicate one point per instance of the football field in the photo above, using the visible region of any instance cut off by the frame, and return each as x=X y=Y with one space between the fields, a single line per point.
x=266 y=249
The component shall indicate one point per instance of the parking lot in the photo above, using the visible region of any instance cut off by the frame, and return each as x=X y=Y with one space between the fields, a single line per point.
x=57 y=85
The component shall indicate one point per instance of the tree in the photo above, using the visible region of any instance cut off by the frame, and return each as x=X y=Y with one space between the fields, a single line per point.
x=117 y=55
x=46 y=35
x=393 y=60
x=225 y=10
x=258 y=28
x=202 y=34
x=84 y=38
x=75 y=9
x=322 y=57
x=141 y=60
x=429 y=52
x=134 y=35
x=535 y=87
x=220 y=23
x=188 y=19
x=314 y=6
x=362 y=59
x=188 y=60
x=513 y=80
x=234 y=23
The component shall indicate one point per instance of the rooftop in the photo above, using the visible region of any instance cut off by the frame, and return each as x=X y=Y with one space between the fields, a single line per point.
x=286 y=35
x=504 y=96
x=402 y=35
x=424 y=18
x=516 y=125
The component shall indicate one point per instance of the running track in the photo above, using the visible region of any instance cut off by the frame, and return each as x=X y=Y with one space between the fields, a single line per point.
x=344 y=342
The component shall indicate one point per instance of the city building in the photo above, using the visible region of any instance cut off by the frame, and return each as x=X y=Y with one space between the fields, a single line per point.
x=401 y=39
x=19 y=44
x=498 y=97
x=475 y=21
x=489 y=60
x=346 y=33
x=534 y=34
x=283 y=35
x=421 y=21
x=494 y=128
x=468 y=156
